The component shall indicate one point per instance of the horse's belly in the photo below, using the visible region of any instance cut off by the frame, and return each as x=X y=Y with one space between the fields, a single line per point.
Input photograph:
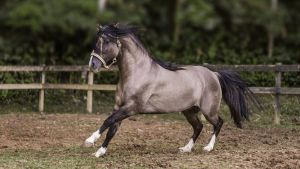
x=170 y=102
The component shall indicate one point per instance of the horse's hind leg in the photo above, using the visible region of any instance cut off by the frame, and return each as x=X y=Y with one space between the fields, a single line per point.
x=192 y=118
x=210 y=110
x=217 y=122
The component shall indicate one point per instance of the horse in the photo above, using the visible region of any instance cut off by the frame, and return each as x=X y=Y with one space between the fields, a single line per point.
x=149 y=86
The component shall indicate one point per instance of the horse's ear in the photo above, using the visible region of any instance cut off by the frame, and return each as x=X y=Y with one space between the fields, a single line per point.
x=117 y=25
x=99 y=27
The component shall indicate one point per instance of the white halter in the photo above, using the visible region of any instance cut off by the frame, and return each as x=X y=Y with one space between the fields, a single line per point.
x=100 y=57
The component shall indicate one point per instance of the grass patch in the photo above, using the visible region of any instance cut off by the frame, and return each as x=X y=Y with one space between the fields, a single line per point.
x=49 y=158
x=57 y=101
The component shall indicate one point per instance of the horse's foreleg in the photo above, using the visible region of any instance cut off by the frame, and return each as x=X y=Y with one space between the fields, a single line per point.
x=92 y=139
x=116 y=116
x=110 y=134
x=111 y=122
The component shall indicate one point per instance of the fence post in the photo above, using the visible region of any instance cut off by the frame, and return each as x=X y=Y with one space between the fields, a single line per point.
x=277 y=94
x=89 y=103
x=42 y=93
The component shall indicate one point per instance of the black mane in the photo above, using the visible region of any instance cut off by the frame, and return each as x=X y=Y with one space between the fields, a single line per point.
x=118 y=31
x=167 y=65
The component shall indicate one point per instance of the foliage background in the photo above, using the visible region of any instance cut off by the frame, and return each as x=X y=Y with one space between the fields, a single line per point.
x=35 y=32
x=61 y=32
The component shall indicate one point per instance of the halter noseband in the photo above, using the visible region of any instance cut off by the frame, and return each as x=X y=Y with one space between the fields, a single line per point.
x=100 y=57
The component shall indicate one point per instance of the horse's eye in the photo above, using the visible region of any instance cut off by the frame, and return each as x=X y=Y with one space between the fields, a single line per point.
x=106 y=42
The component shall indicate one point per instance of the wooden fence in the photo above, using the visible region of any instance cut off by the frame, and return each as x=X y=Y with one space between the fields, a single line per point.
x=277 y=90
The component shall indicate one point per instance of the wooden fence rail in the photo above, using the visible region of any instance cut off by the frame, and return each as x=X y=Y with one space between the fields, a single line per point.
x=277 y=90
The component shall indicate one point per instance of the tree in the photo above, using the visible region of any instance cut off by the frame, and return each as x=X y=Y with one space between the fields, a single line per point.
x=274 y=6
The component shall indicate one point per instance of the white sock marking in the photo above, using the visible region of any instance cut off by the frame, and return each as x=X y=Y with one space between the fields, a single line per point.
x=188 y=147
x=210 y=145
x=100 y=152
x=92 y=139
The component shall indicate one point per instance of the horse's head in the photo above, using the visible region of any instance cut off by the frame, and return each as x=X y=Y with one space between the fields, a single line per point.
x=106 y=49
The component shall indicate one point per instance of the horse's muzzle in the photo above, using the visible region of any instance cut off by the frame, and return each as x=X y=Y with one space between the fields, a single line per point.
x=95 y=64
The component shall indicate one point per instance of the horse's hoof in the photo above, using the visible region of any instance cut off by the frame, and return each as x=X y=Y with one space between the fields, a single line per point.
x=184 y=150
x=100 y=152
x=88 y=144
x=208 y=148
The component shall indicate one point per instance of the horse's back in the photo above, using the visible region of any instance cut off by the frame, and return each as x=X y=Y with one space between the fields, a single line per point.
x=193 y=76
x=202 y=73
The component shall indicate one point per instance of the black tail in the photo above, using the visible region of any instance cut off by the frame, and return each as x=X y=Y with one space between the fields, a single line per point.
x=235 y=91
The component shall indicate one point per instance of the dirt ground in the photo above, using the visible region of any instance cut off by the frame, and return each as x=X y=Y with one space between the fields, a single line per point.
x=141 y=142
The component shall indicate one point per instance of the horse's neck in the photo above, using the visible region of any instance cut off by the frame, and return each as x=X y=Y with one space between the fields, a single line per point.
x=133 y=62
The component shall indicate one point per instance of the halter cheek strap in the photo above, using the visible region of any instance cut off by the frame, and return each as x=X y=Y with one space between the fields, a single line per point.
x=100 y=57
